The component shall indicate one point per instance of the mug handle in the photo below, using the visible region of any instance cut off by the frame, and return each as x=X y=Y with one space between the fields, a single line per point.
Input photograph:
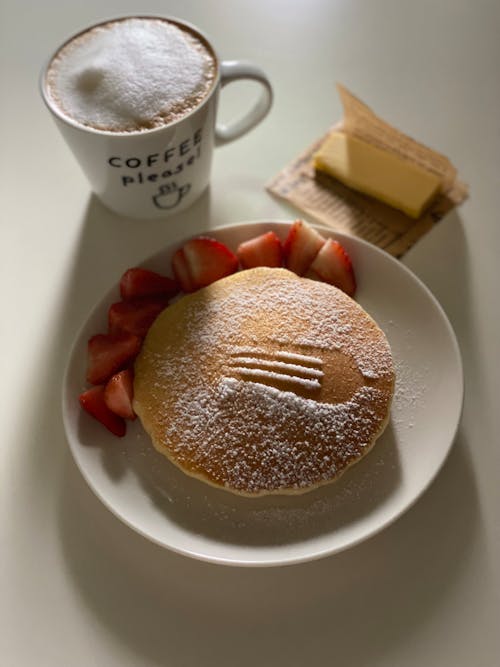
x=234 y=70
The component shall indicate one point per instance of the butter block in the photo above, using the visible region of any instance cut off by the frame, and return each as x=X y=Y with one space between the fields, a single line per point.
x=375 y=172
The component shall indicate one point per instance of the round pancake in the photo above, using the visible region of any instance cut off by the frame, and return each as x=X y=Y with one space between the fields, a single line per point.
x=264 y=383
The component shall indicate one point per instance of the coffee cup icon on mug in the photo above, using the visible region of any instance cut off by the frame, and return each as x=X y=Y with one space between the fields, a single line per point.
x=171 y=195
x=136 y=100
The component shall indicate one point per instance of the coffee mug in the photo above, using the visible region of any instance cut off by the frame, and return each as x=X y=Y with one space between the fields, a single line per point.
x=145 y=167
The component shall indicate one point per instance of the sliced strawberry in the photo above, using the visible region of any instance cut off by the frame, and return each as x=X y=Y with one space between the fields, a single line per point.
x=119 y=393
x=301 y=246
x=135 y=317
x=181 y=271
x=333 y=265
x=263 y=250
x=137 y=283
x=202 y=261
x=92 y=401
x=109 y=353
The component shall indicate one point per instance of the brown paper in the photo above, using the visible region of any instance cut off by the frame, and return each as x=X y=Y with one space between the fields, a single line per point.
x=333 y=204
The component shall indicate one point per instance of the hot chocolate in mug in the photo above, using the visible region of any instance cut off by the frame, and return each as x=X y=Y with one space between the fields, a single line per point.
x=136 y=100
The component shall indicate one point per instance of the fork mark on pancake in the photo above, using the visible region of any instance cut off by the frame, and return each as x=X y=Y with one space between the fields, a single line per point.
x=281 y=369
x=252 y=362
x=304 y=359
x=273 y=378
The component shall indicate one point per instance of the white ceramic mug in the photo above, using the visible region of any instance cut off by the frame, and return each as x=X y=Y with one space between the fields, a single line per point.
x=155 y=173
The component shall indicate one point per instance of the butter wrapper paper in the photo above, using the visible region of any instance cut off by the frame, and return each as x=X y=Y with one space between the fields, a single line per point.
x=332 y=204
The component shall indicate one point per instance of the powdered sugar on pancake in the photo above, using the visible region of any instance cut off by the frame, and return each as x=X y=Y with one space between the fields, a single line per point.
x=260 y=460
x=330 y=329
x=242 y=391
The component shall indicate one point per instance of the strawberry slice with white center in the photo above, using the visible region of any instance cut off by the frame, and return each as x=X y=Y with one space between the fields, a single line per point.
x=135 y=317
x=119 y=394
x=110 y=353
x=333 y=265
x=138 y=282
x=181 y=271
x=263 y=250
x=202 y=261
x=92 y=401
x=301 y=247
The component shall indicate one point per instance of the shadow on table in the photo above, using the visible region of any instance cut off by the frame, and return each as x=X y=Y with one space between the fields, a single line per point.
x=166 y=609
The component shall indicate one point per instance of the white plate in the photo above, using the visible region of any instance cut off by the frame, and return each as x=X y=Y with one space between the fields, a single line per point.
x=154 y=498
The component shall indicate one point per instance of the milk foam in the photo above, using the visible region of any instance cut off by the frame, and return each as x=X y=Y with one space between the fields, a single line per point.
x=130 y=75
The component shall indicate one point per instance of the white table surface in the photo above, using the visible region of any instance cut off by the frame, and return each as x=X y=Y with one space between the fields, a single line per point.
x=78 y=588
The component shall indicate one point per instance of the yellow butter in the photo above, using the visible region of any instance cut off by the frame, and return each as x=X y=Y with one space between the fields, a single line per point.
x=377 y=173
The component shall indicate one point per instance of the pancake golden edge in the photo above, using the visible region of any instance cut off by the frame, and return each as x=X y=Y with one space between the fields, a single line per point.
x=264 y=383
